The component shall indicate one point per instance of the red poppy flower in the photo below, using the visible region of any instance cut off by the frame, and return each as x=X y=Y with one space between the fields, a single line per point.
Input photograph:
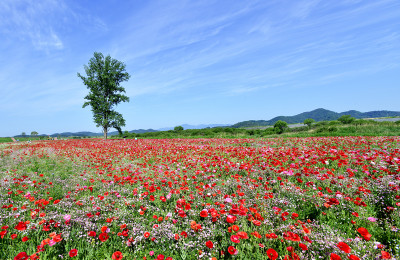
x=209 y=244
x=385 y=255
x=344 y=247
x=333 y=201
x=291 y=236
x=73 y=252
x=3 y=233
x=256 y=223
x=57 y=238
x=242 y=235
x=160 y=257
x=335 y=257
x=353 y=257
x=21 y=226
x=235 y=239
x=117 y=255
x=235 y=228
x=231 y=219
x=146 y=234
x=303 y=246
x=272 y=254
x=204 y=213
x=92 y=233
x=103 y=237
x=24 y=239
x=232 y=250
x=22 y=256
x=14 y=236
x=104 y=229
x=364 y=233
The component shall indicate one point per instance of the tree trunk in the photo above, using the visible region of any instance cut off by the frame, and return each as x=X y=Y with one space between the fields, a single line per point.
x=105 y=133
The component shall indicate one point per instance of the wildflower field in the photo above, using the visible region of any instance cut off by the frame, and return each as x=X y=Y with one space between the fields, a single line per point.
x=282 y=198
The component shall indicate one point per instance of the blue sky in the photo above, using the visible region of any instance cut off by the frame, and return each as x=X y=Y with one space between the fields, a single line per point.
x=197 y=62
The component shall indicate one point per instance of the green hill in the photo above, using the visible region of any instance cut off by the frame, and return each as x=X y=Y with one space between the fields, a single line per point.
x=319 y=114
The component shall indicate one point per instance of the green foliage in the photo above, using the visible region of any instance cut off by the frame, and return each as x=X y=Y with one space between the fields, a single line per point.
x=5 y=140
x=104 y=76
x=251 y=132
x=346 y=119
x=178 y=128
x=363 y=122
x=309 y=122
x=23 y=133
x=324 y=128
x=34 y=133
x=280 y=126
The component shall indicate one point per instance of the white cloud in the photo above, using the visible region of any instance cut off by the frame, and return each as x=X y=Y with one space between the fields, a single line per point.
x=44 y=23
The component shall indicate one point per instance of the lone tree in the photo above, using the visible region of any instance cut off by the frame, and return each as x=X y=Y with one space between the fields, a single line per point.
x=280 y=126
x=104 y=76
x=34 y=133
x=178 y=128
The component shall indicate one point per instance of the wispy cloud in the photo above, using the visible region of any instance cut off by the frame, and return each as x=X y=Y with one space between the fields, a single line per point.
x=43 y=23
x=302 y=9
x=228 y=49
x=31 y=20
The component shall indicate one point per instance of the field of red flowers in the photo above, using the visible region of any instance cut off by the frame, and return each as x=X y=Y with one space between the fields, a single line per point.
x=292 y=198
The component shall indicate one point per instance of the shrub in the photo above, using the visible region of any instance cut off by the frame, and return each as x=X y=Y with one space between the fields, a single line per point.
x=309 y=122
x=322 y=123
x=250 y=132
x=346 y=119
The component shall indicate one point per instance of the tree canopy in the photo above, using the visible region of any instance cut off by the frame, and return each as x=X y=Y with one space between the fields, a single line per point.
x=346 y=119
x=178 y=128
x=280 y=126
x=309 y=122
x=104 y=76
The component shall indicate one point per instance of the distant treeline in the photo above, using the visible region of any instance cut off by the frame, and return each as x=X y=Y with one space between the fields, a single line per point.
x=324 y=128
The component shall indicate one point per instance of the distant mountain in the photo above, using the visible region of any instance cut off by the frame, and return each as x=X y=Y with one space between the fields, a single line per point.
x=186 y=126
x=319 y=114
x=137 y=131
x=89 y=134
x=141 y=131
x=82 y=134
x=66 y=134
